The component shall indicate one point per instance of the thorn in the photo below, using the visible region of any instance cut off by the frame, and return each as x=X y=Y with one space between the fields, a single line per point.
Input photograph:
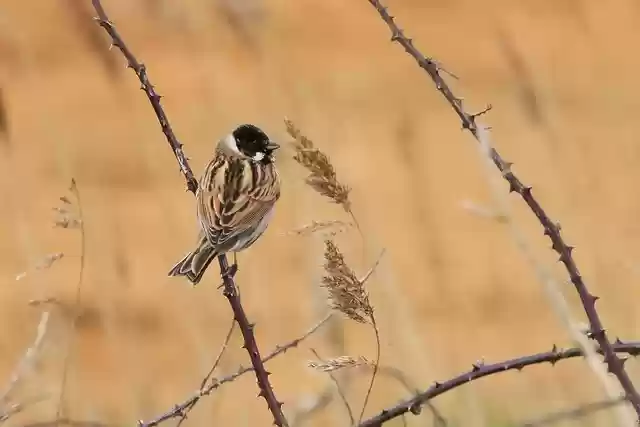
x=415 y=409
x=512 y=186
x=474 y=116
x=569 y=249
x=280 y=404
x=506 y=167
x=554 y=349
x=267 y=373
x=477 y=366
x=262 y=394
x=617 y=341
x=526 y=191
x=623 y=360
x=437 y=384
x=439 y=67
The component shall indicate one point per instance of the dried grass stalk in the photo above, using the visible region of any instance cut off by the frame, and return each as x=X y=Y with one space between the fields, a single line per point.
x=346 y=292
x=330 y=227
x=322 y=176
x=341 y=362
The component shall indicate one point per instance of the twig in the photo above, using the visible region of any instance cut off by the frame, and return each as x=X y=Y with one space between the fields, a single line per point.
x=27 y=360
x=551 y=229
x=402 y=378
x=343 y=397
x=11 y=410
x=69 y=423
x=67 y=360
x=230 y=291
x=177 y=410
x=376 y=331
x=305 y=411
x=185 y=412
x=572 y=414
x=205 y=380
x=480 y=370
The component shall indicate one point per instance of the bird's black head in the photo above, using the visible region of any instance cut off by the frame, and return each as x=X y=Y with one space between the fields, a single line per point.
x=253 y=142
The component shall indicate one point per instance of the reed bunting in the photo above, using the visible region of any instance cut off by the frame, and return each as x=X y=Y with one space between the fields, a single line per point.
x=235 y=199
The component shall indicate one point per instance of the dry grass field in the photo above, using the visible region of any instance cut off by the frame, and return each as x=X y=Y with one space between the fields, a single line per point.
x=453 y=285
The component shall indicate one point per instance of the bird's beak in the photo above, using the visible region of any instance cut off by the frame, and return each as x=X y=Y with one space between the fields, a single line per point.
x=272 y=146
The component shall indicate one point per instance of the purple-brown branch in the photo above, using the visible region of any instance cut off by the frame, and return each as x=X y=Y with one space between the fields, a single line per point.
x=230 y=291
x=480 y=370
x=551 y=229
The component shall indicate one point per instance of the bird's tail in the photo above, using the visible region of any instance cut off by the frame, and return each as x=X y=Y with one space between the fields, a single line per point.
x=194 y=264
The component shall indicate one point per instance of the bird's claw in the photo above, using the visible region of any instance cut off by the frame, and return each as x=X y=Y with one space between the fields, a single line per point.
x=231 y=271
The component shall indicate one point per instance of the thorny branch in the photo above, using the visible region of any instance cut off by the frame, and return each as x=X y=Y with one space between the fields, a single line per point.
x=230 y=291
x=551 y=229
x=480 y=370
x=179 y=409
x=262 y=375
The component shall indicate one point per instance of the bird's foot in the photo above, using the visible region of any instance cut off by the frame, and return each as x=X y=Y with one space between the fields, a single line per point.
x=230 y=271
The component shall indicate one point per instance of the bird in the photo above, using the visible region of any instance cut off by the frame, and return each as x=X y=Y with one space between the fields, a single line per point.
x=235 y=199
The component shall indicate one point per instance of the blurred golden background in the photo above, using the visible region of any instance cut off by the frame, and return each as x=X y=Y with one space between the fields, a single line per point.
x=453 y=286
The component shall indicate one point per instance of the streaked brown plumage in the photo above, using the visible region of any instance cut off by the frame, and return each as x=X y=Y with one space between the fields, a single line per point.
x=235 y=199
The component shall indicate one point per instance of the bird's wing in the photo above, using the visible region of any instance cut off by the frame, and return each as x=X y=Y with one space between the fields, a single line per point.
x=240 y=195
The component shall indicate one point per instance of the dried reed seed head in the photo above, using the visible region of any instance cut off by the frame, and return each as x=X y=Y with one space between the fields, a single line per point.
x=346 y=291
x=66 y=217
x=322 y=176
x=43 y=264
x=330 y=227
x=341 y=362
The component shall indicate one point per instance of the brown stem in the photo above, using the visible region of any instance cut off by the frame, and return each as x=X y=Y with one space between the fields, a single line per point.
x=551 y=229
x=376 y=366
x=479 y=370
x=262 y=375
x=230 y=292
